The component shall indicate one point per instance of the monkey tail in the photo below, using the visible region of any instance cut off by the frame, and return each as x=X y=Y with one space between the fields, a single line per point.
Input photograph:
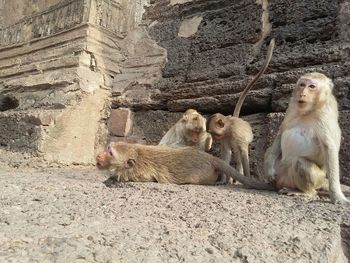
x=225 y=168
x=255 y=79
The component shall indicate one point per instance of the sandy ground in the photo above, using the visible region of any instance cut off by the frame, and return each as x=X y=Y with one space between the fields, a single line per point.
x=63 y=215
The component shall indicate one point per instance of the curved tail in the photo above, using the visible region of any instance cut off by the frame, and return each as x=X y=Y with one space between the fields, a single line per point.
x=255 y=79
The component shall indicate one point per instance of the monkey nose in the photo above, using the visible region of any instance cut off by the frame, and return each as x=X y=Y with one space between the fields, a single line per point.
x=99 y=157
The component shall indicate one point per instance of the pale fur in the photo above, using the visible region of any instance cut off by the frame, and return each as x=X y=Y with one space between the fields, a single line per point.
x=163 y=164
x=236 y=134
x=318 y=121
x=179 y=135
x=235 y=137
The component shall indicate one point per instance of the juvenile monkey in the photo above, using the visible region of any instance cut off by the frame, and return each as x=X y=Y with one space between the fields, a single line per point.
x=164 y=164
x=190 y=130
x=305 y=154
x=236 y=134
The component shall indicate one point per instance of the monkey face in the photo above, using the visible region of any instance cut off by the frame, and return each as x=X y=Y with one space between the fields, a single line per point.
x=120 y=156
x=306 y=94
x=194 y=125
x=216 y=126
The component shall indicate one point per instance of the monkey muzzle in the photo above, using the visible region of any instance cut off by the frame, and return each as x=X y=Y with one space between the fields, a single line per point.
x=216 y=136
x=103 y=159
x=195 y=136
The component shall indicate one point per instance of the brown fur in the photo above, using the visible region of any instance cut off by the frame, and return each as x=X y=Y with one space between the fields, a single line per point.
x=163 y=164
x=304 y=155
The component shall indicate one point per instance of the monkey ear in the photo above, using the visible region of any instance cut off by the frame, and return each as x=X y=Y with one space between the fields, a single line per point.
x=221 y=123
x=130 y=163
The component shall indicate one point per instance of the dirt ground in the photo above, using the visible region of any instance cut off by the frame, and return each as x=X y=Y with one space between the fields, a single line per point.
x=74 y=215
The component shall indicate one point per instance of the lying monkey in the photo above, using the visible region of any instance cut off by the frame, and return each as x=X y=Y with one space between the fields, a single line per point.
x=234 y=133
x=163 y=164
x=190 y=130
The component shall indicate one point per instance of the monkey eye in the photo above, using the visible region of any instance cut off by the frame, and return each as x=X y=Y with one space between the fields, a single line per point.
x=195 y=118
x=312 y=86
x=302 y=85
x=109 y=151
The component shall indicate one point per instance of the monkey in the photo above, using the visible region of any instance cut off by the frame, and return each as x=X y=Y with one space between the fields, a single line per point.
x=304 y=156
x=164 y=164
x=234 y=133
x=190 y=130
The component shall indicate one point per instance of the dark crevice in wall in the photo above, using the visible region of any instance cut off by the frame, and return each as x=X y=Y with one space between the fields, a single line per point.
x=8 y=103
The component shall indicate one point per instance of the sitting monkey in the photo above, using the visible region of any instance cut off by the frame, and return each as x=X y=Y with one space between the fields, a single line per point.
x=190 y=130
x=305 y=153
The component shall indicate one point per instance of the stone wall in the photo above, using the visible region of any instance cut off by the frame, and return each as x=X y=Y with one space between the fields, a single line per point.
x=75 y=74
x=215 y=47
x=58 y=60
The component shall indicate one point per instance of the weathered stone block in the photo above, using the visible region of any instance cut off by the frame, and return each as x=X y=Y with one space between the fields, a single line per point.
x=120 y=122
x=152 y=125
x=131 y=139
x=75 y=136
x=50 y=20
x=189 y=27
x=21 y=133
x=61 y=56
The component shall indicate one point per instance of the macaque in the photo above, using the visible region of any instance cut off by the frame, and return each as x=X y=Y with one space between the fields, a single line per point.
x=234 y=133
x=164 y=164
x=305 y=154
x=190 y=130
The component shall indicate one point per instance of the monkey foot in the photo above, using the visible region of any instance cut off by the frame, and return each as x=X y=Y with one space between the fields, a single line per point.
x=221 y=183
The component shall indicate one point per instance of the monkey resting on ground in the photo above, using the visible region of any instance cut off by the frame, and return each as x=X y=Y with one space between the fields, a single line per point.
x=163 y=164
x=306 y=150
x=236 y=134
x=190 y=130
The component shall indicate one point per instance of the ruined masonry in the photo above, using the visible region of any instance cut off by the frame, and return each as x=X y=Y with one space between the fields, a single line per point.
x=58 y=60
x=78 y=73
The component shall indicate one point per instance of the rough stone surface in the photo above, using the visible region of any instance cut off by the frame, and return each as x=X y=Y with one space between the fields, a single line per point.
x=59 y=58
x=65 y=65
x=70 y=215
x=208 y=69
x=120 y=122
x=189 y=27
